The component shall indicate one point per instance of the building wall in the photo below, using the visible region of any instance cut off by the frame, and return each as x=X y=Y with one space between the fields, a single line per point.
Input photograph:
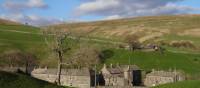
x=114 y=81
x=74 y=81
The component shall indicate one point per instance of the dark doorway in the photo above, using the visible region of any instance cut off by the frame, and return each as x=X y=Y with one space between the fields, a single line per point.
x=137 y=78
x=101 y=80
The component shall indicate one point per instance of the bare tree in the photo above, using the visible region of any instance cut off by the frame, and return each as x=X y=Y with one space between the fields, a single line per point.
x=85 y=57
x=58 y=44
x=133 y=42
x=17 y=59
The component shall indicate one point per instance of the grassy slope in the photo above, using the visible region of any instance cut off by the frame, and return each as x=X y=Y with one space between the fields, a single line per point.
x=9 y=80
x=169 y=27
x=184 y=84
x=17 y=40
x=26 y=39
x=35 y=43
x=25 y=42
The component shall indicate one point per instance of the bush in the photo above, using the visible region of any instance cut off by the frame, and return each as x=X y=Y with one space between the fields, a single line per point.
x=182 y=43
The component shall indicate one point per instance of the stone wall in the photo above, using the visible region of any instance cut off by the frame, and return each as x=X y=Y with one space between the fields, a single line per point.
x=157 y=80
x=74 y=81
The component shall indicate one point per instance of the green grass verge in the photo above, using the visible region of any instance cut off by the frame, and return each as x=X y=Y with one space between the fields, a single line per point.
x=183 y=84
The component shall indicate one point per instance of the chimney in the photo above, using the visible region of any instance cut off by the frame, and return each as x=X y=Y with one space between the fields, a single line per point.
x=126 y=73
x=111 y=65
x=46 y=68
x=153 y=70
x=118 y=65
x=104 y=66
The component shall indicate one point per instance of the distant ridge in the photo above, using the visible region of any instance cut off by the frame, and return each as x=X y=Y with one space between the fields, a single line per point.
x=8 y=22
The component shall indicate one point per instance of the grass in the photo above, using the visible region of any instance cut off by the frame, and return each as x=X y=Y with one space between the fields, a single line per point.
x=195 y=40
x=11 y=80
x=22 y=28
x=25 y=42
x=19 y=40
x=183 y=84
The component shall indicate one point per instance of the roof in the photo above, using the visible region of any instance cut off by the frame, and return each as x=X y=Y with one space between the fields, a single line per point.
x=120 y=69
x=115 y=70
x=130 y=67
x=71 y=72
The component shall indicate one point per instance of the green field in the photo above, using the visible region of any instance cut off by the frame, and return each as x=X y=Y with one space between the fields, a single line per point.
x=184 y=84
x=13 y=38
x=10 y=80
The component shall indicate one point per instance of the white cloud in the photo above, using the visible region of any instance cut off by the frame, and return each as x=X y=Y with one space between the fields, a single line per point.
x=36 y=3
x=113 y=17
x=16 y=12
x=19 y=6
x=130 y=8
x=97 y=5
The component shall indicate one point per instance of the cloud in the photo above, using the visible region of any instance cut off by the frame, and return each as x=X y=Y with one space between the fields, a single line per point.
x=130 y=8
x=113 y=17
x=31 y=19
x=16 y=11
x=20 y=6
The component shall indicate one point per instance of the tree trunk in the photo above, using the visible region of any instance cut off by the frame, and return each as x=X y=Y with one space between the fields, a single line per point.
x=59 y=68
x=26 y=68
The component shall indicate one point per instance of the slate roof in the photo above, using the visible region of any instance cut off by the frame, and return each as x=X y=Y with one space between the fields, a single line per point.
x=115 y=70
x=120 y=69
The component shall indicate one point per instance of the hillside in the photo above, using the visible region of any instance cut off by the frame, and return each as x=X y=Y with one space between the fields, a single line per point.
x=180 y=25
x=21 y=38
x=153 y=29
x=10 y=80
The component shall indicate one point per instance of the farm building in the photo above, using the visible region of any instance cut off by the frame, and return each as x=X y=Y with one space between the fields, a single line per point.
x=162 y=77
x=122 y=76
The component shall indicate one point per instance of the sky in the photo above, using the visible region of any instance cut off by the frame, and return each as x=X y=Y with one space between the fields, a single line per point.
x=46 y=12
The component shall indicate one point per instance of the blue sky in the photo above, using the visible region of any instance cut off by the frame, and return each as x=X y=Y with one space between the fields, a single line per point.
x=55 y=11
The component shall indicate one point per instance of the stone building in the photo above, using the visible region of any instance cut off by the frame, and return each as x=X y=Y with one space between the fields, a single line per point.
x=162 y=77
x=69 y=77
x=121 y=75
